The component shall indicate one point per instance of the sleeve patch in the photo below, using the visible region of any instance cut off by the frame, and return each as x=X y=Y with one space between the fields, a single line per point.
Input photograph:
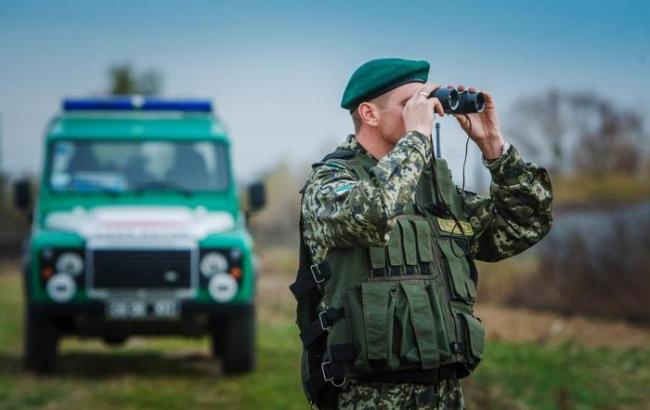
x=343 y=189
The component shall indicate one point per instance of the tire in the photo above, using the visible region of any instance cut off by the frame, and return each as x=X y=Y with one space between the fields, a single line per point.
x=41 y=343
x=218 y=338
x=239 y=344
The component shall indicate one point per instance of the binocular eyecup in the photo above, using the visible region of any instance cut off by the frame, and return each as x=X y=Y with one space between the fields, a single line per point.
x=456 y=102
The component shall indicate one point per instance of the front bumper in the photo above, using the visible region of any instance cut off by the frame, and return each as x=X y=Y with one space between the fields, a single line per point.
x=89 y=319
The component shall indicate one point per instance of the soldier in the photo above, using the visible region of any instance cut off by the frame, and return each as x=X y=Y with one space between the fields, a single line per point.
x=386 y=283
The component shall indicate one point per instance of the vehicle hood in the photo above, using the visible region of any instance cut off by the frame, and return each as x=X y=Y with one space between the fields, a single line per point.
x=140 y=222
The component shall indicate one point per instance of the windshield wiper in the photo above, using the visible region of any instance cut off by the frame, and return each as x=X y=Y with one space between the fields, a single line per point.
x=162 y=186
x=100 y=190
x=111 y=192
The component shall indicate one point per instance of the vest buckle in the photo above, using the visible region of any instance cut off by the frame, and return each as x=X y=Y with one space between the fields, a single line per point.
x=328 y=377
x=322 y=318
x=317 y=274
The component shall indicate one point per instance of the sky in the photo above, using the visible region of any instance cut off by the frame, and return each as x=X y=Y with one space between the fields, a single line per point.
x=276 y=70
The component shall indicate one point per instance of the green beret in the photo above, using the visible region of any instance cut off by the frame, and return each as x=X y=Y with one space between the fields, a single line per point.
x=377 y=77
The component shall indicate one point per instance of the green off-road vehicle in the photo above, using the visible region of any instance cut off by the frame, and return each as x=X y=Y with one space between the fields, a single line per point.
x=137 y=230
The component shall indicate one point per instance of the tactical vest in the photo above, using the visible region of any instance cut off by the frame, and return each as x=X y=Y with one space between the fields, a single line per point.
x=399 y=313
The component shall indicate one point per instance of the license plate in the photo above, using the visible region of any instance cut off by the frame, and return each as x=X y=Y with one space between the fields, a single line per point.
x=142 y=309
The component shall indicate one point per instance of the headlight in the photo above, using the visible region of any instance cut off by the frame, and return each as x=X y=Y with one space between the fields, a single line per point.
x=69 y=263
x=222 y=287
x=213 y=263
x=61 y=287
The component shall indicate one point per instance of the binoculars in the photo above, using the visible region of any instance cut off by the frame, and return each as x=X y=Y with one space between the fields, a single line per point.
x=456 y=102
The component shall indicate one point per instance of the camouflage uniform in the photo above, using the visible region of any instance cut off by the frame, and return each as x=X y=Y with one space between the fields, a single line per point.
x=445 y=395
x=340 y=210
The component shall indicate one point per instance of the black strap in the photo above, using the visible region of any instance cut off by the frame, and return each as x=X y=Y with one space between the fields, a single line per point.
x=307 y=293
x=309 y=276
x=473 y=272
x=346 y=353
x=332 y=371
x=322 y=324
x=339 y=153
x=302 y=285
x=332 y=367
x=342 y=352
x=417 y=376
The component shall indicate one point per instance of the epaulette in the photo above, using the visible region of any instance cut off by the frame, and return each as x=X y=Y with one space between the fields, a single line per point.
x=341 y=153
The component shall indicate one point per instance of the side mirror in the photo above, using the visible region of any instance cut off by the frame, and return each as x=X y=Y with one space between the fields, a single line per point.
x=256 y=196
x=23 y=195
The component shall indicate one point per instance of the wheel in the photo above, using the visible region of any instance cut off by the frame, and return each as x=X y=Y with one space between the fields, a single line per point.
x=239 y=344
x=41 y=343
x=218 y=338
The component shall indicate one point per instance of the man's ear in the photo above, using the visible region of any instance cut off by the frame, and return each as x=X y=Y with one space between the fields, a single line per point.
x=368 y=113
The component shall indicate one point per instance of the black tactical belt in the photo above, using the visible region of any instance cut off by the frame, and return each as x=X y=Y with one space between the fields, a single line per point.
x=417 y=376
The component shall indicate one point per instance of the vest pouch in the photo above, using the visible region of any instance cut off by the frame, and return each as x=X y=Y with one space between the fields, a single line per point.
x=463 y=286
x=425 y=324
x=377 y=256
x=377 y=319
x=395 y=254
x=442 y=334
x=474 y=335
x=395 y=325
x=370 y=313
x=409 y=247
x=405 y=347
x=424 y=245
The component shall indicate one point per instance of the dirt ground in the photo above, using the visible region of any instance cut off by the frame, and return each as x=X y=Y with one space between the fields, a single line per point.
x=523 y=325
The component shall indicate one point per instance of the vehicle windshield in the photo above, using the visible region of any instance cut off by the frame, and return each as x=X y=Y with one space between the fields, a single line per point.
x=137 y=166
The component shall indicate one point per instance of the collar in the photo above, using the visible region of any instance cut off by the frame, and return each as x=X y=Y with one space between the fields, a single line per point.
x=351 y=143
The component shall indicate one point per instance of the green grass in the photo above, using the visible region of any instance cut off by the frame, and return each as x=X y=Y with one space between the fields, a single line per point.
x=567 y=376
x=178 y=373
x=164 y=373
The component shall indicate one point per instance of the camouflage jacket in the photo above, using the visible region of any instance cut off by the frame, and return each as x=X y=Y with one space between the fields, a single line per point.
x=341 y=210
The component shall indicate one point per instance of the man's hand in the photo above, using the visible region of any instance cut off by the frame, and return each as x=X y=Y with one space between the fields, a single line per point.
x=419 y=109
x=483 y=127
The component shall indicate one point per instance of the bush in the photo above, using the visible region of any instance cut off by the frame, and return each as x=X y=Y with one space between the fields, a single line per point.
x=594 y=267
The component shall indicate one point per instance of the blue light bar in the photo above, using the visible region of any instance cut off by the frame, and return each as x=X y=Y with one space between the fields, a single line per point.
x=135 y=103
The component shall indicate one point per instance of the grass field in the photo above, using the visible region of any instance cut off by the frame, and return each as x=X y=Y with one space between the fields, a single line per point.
x=179 y=373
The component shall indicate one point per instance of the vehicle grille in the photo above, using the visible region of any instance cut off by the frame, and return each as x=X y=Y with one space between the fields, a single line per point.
x=126 y=269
